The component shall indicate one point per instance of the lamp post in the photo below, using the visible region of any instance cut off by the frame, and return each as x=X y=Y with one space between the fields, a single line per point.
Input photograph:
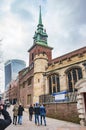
x=44 y=83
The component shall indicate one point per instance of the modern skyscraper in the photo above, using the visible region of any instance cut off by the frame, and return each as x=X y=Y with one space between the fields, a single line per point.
x=12 y=67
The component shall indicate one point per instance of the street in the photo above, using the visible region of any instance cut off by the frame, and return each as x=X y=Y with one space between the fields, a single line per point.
x=52 y=124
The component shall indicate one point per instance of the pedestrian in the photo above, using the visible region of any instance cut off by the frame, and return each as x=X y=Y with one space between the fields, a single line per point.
x=31 y=112
x=4 y=123
x=37 y=113
x=43 y=114
x=15 y=113
x=20 y=114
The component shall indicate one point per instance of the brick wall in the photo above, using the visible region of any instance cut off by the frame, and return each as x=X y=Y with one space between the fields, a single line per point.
x=63 y=111
x=40 y=49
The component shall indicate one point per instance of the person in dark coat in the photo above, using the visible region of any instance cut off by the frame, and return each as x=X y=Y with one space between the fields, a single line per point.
x=20 y=114
x=31 y=112
x=37 y=113
x=4 y=123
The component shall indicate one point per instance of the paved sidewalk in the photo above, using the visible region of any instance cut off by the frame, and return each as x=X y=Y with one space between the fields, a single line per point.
x=52 y=124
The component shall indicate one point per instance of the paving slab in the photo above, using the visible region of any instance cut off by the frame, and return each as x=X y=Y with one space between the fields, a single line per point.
x=52 y=124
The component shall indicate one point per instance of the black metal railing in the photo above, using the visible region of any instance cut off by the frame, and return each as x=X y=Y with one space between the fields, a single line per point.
x=69 y=97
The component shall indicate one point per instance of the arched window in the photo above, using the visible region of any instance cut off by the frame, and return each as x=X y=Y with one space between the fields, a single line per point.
x=73 y=75
x=54 y=84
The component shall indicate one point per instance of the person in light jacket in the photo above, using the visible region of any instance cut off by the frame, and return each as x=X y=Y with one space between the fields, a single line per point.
x=15 y=113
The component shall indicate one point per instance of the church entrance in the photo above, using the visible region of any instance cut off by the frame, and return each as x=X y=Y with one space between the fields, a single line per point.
x=81 y=100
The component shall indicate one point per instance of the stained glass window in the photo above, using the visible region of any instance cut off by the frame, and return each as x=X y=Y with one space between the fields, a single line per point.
x=54 y=84
x=73 y=75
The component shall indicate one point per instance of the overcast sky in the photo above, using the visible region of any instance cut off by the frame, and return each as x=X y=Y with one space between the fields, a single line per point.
x=64 y=21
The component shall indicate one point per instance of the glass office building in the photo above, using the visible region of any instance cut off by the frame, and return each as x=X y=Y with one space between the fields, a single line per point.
x=12 y=67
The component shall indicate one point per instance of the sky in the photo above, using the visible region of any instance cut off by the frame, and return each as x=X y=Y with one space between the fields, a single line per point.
x=64 y=21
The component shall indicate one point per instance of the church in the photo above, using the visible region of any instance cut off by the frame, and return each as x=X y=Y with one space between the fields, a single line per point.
x=51 y=80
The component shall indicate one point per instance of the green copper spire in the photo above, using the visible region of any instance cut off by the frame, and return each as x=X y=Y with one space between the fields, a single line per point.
x=40 y=36
x=40 y=18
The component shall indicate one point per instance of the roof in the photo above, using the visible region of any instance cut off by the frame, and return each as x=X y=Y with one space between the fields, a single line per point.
x=69 y=55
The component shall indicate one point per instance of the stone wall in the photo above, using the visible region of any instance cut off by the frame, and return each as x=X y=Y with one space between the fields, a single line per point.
x=63 y=111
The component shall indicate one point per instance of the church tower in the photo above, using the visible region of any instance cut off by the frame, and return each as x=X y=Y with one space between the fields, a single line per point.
x=40 y=44
x=39 y=56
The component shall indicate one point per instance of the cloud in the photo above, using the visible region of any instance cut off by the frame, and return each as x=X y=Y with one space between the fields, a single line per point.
x=64 y=22
x=16 y=27
x=20 y=9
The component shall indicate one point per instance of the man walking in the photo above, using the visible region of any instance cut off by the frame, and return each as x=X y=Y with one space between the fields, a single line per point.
x=20 y=114
x=43 y=114
x=37 y=113
x=31 y=112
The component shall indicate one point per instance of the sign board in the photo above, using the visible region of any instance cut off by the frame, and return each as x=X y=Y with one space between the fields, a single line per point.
x=60 y=97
